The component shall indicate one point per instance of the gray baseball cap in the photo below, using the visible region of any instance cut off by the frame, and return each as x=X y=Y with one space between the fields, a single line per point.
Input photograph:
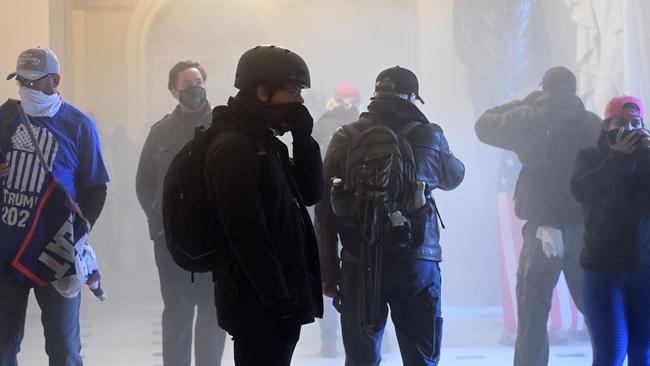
x=35 y=63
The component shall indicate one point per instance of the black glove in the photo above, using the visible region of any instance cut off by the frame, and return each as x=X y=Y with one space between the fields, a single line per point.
x=533 y=96
x=300 y=122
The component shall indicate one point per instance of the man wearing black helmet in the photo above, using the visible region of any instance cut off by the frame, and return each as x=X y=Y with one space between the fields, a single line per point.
x=409 y=278
x=270 y=283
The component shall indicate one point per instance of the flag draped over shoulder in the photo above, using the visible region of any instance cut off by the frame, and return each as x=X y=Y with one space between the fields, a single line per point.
x=43 y=234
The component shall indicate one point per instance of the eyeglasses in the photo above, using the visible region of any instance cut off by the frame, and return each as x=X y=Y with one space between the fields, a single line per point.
x=33 y=84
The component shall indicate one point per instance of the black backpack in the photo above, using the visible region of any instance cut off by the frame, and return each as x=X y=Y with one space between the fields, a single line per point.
x=380 y=179
x=192 y=231
x=378 y=199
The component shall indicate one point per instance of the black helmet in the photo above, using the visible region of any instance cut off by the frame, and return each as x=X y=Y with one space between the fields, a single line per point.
x=274 y=65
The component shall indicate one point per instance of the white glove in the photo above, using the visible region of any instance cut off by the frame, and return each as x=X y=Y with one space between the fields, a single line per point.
x=552 y=242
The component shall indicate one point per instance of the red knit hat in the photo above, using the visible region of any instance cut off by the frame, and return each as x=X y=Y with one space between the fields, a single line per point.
x=614 y=107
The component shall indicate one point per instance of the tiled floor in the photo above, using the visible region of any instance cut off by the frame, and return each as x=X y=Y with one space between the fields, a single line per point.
x=127 y=333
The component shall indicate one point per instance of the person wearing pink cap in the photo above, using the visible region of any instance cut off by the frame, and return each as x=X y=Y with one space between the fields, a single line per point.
x=611 y=182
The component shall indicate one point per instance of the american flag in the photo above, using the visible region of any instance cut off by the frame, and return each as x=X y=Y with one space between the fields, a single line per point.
x=564 y=315
x=26 y=173
x=41 y=226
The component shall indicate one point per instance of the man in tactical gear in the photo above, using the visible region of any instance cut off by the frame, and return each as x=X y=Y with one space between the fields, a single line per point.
x=409 y=279
x=268 y=284
x=180 y=295
x=545 y=130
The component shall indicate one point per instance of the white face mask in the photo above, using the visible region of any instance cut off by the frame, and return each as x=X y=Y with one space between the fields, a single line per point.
x=39 y=104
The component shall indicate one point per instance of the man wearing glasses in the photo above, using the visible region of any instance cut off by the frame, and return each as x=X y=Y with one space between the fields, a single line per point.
x=70 y=144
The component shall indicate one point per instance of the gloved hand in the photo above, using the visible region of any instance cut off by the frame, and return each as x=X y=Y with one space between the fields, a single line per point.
x=300 y=122
x=552 y=242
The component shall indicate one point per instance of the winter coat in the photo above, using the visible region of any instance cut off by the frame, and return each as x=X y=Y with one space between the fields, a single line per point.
x=435 y=165
x=613 y=190
x=546 y=132
x=166 y=138
x=260 y=197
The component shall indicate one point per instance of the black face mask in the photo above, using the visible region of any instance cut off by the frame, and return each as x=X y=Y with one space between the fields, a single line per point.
x=193 y=97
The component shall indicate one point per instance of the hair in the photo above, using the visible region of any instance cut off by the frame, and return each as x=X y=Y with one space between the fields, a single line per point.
x=249 y=93
x=180 y=67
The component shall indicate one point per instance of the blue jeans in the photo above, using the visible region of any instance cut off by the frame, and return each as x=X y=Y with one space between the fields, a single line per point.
x=411 y=288
x=617 y=310
x=60 y=318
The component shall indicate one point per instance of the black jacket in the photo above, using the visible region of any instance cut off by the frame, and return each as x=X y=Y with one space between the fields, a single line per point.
x=260 y=197
x=613 y=190
x=546 y=132
x=166 y=138
x=436 y=166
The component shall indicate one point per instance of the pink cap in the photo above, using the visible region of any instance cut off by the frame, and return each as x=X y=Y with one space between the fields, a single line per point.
x=614 y=107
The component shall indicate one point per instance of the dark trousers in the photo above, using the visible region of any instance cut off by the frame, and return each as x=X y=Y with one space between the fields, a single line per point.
x=182 y=299
x=411 y=288
x=617 y=310
x=262 y=348
x=537 y=276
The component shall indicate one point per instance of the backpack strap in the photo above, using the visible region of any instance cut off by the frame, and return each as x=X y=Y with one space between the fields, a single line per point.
x=352 y=131
x=435 y=208
x=406 y=130
x=24 y=120
x=9 y=115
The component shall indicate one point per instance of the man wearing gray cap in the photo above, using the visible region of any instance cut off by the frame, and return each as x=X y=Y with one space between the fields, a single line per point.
x=387 y=224
x=70 y=144
x=546 y=130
